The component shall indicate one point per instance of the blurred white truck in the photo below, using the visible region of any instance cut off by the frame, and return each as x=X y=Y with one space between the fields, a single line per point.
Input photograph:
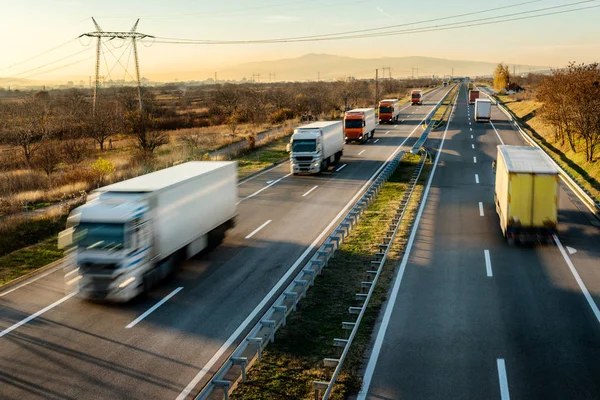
x=132 y=234
x=315 y=146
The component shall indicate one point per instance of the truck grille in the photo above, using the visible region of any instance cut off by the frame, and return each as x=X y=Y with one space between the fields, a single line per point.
x=93 y=268
x=304 y=158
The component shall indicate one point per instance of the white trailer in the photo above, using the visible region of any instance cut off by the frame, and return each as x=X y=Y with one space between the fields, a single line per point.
x=315 y=146
x=132 y=234
x=483 y=110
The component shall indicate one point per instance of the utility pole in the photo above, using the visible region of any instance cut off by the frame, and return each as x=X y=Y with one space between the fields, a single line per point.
x=99 y=34
x=377 y=86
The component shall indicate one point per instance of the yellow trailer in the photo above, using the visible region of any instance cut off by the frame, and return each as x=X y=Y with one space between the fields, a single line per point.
x=526 y=194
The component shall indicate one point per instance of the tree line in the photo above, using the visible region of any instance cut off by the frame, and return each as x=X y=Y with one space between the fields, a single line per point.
x=57 y=127
x=571 y=104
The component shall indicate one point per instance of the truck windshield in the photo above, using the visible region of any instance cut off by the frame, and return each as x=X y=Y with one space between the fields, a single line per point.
x=385 y=110
x=100 y=236
x=416 y=96
x=304 y=146
x=354 y=123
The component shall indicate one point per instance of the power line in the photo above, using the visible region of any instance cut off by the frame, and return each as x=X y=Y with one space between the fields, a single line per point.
x=328 y=37
x=49 y=63
x=57 y=68
x=39 y=55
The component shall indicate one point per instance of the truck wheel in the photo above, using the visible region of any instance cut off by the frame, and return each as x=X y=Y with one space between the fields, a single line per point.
x=373 y=134
x=338 y=156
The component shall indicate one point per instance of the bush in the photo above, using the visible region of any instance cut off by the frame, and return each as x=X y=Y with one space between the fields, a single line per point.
x=281 y=115
x=26 y=234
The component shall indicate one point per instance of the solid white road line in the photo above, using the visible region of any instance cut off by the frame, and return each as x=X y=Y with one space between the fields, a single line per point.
x=210 y=364
x=389 y=307
x=480 y=209
x=488 y=263
x=37 y=314
x=254 y=232
x=582 y=286
x=476 y=178
x=341 y=168
x=72 y=281
x=271 y=181
x=362 y=152
x=307 y=193
x=266 y=187
x=377 y=140
x=497 y=134
x=474 y=160
x=153 y=308
x=503 y=380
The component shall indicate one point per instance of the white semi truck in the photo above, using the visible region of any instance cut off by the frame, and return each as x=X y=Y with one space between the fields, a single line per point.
x=132 y=234
x=315 y=146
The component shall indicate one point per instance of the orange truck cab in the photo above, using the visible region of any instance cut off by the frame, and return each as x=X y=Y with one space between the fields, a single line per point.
x=473 y=95
x=416 y=97
x=359 y=125
x=389 y=111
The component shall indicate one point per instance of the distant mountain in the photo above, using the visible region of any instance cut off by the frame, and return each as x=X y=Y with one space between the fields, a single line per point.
x=330 y=67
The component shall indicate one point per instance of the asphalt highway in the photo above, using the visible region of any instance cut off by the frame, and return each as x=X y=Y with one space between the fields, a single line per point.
x=470 y=317
x=56 y=346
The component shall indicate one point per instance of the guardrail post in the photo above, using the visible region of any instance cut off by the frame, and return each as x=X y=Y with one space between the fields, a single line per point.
x=242 y=362
x=224 y=385
x=318 y=387
x=258 y=342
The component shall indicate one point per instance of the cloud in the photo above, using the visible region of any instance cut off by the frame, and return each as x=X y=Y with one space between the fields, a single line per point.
x=386 y=14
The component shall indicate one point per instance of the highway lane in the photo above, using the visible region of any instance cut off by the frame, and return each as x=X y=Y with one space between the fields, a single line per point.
x=84 y=350
x=474 y=318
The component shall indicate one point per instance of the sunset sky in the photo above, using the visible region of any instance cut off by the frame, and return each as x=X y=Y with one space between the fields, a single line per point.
x=30 y=27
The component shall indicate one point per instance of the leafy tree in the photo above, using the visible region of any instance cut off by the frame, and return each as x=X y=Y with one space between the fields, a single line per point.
x=501 y=77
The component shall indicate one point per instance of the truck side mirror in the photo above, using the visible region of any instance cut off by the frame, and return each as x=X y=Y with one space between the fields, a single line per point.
x=65 y=238
x=288 y=148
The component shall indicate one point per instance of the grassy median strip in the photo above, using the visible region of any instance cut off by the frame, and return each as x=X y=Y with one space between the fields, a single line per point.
x=441 y=116
x=295 y=360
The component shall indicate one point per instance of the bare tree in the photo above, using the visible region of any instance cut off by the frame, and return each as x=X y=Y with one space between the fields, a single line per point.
x=103 y=124
x=141 y=126
x=48 y=157
x=26 y=125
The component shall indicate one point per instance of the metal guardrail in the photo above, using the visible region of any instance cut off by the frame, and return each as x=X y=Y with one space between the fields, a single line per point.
x=251 y=347
x=373 y=273
x=585 y=196
x=429 y=125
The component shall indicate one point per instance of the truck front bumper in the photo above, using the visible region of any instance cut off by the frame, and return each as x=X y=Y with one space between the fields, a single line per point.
x=305 y=168
x=109 y=290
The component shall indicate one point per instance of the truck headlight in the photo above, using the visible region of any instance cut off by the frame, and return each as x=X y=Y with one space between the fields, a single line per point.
x=127 y=282
x=360 y=137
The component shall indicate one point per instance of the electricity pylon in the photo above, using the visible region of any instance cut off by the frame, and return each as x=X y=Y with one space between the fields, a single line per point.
x=99 y=34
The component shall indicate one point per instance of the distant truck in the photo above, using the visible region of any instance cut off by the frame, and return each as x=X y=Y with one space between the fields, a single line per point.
x=131 y=235
x=526 y=194
x=483 y=110
x=359 y=125
x=416 y=97
x=445 y=84
x=473 y=95
x=315 y=146
x=389 y=110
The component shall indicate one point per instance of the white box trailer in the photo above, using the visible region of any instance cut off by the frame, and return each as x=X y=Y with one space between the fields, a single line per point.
x=130 y=235
x=483 y=110
x=315 y=146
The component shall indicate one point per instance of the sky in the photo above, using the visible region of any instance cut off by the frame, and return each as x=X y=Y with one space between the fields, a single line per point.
x=30 y=27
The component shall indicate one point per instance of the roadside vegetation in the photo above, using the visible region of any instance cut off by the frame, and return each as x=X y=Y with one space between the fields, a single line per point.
x=295 y=359
x=441 y=116
x=561 y=112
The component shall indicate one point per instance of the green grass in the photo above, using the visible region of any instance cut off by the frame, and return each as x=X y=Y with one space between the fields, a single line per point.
x=586 y=173
x=294 y=361
x=21 y=262
x=262 y=157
